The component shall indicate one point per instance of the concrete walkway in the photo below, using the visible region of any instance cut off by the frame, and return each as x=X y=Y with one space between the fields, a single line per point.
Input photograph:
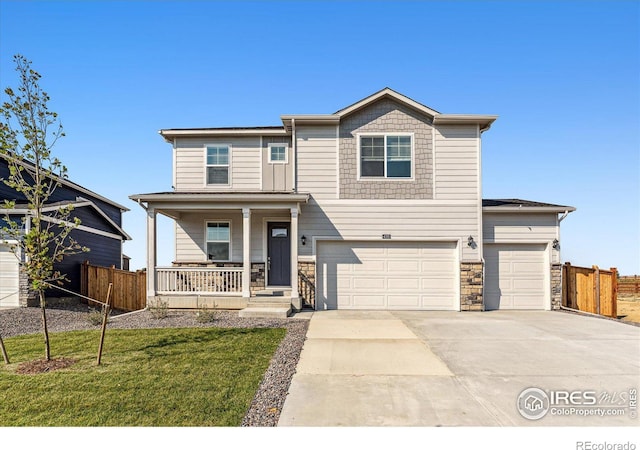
x=455 y=369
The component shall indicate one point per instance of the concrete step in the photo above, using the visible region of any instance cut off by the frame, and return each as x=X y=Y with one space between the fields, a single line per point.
x=269 y=302
x=274 y=293
x=266 y=312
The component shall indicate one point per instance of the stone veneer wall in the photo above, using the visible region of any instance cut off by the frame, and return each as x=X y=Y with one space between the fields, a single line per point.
x=26 y=296
x=386 y=116
x=471 y=286
x=556 y=286
x=308 y=268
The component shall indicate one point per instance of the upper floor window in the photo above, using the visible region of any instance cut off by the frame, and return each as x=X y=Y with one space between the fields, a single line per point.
x=218 y=164
x=278 y=154
x=218 y=241
x=386 y=156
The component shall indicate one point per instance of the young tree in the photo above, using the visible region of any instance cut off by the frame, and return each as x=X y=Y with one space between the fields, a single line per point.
x=28 y=132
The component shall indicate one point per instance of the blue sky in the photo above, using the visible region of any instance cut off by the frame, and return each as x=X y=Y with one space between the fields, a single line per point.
x=564 y=77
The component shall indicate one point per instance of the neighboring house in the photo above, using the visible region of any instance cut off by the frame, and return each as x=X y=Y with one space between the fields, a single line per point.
x=377 y=206
x=100 y=230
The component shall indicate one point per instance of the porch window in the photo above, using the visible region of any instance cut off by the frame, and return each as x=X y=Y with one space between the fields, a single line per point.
x=278 y=153
x=218 y=164
x=218 y=241
x=386 y=156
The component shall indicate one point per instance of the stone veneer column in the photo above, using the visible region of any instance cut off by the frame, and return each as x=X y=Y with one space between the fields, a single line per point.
x=471 y=286
x=556 y=286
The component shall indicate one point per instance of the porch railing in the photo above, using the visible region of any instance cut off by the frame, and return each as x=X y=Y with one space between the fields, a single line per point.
x=199 y=280
x=306 y=291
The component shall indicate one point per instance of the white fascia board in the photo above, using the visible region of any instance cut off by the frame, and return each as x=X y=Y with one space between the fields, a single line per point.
x=169 y=134
x=484 y=121
x=221 y=197
x=527 y=209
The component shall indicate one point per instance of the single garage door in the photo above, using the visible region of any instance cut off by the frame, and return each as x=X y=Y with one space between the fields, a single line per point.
x=387 y=275
x=515 y=276
x=9 y=283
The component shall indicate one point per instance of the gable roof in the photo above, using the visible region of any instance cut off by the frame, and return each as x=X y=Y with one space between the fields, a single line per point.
x=519 y=205
x=386 y=93
x=73 y=185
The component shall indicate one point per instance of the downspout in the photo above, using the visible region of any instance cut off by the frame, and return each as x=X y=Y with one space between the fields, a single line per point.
x=294 y=151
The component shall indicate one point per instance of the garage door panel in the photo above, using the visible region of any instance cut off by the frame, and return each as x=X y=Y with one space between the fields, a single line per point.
x=403 y=301
x=367 y=283
x=410 y=275
x=403 y=284
x=515 y=276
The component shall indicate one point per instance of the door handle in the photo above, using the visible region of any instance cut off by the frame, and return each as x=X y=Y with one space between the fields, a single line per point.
x=268 y=262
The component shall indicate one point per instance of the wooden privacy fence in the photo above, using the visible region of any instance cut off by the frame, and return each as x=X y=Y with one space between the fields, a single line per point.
x=629 y=285
x=129 y=288
x=591 y=290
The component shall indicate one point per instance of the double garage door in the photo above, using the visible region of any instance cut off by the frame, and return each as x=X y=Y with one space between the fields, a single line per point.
x=9 y=283
x=516 y=276
x=387 y=275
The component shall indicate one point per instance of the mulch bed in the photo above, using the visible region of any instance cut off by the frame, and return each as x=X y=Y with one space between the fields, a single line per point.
x=43 y=366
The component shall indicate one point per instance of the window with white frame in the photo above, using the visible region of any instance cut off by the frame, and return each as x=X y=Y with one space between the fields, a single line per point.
x=218 y=164
x=278 y=153
x=218 y=241
x=386 y=156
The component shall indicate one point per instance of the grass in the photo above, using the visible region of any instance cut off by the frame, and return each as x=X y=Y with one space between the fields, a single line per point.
x=159 y=377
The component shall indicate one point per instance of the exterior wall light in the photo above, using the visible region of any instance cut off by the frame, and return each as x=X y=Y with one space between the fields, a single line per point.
x=556 y=244
x=470 y=241
x=304 y=240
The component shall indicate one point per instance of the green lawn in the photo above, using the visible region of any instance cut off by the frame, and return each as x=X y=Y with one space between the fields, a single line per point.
x=156 y=377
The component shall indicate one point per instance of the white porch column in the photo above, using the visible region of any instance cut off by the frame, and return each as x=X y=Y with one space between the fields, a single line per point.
x=151 y=255
x=246 y=253
x=295 y=300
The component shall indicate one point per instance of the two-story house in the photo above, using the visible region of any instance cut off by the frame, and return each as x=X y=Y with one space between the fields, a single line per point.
x=100 y=230
x=377 y=206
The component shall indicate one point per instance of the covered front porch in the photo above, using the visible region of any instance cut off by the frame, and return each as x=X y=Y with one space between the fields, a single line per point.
x=233 y=250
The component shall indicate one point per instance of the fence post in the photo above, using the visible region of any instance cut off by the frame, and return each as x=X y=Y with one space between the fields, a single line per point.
x=614 y=293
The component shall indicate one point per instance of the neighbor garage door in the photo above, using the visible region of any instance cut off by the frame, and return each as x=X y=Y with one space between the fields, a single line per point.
x=515 y=276
x=8 y=277
x=387 y=275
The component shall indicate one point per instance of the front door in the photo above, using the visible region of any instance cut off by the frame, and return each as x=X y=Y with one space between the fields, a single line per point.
x=278 y=254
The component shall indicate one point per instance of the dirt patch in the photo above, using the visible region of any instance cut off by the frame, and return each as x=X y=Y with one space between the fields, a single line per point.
x=629 y=308
x=43 y=366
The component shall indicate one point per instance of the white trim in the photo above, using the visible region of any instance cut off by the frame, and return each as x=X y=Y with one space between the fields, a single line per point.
x=479 y=237
x=394 y=202
x=82 y=228
x=384 y=93
x=174 y=162
x=206 y=256
x=229 y=165
x=262 y=166
x=386 y=135
x=286 y=153
x=338 y=161
x=265 y=244
x=316 y=239
x=433 y=162
x=294 y=156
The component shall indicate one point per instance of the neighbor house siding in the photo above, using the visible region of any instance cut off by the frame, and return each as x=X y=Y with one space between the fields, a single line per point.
x=521 y=228
x=457 y=162
x=317 y=161
x=245 y=164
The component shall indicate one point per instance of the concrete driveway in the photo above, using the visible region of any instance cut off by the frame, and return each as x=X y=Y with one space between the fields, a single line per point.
x=464 y=369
